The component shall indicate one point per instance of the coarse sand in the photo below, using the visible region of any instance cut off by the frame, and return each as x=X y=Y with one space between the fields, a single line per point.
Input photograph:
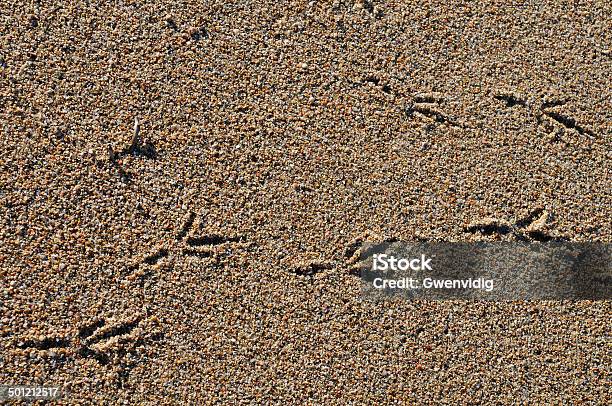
x=182 y=184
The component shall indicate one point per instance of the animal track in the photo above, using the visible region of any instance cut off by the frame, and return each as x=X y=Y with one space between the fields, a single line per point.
x=186 y=226
x=88 y=330
x=559 y=118
x=213 y=239
x=430 y=111
x=156 y=257
x=533 y=227
x=489 y=226
x=109 y=331
x=197 y=33
x=562 y=119
x=428 y=98
x=358 y=248
x=311 y=268
x=376 y=81
x=530 y=218
x=568 y=123
x=552 y=103
x=198 y=253
x=109 y=342
x=101 y=340
x=45 y=343
x=187 y=243
x=201 y=245
x=427 y=105
x=362 y=247
x=511 y=100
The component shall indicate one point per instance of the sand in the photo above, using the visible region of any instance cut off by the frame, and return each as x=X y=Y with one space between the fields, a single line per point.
x=202 y=257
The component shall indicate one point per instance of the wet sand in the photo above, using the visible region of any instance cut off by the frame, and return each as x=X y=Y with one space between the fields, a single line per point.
x=204 y=255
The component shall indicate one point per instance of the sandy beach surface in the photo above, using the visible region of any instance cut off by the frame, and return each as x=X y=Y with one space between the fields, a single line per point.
x=182 y=184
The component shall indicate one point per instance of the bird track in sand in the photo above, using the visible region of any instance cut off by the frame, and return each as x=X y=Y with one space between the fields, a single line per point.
x=548 y=109
x=186 y=243
x=532 y=227
x=427 y=105
x=98 y=339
